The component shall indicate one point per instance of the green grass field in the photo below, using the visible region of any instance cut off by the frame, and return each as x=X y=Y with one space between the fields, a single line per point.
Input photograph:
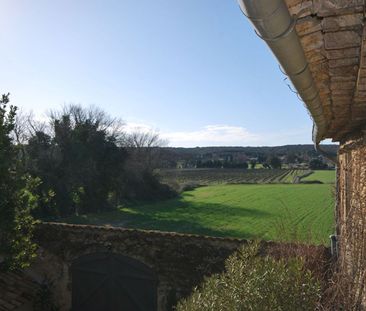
x=271 y=212
x=326 y=177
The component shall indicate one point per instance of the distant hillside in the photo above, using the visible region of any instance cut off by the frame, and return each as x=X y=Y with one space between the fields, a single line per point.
x=277 y=150
x=303 y=153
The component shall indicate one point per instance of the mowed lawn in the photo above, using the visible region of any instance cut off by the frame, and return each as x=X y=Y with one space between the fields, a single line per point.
x=271 y=212
x=326 y=177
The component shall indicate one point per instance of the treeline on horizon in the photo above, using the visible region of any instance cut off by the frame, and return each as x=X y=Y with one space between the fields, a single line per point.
x=246 y=157
x=277 y=150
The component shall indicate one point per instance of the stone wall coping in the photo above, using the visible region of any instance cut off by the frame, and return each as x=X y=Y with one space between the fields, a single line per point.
x=167 y=234
x=142 y=231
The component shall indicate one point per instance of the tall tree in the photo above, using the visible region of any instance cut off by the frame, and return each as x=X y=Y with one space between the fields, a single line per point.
x=140 y=179
x=275 y=162
x=145 y=147
x=80 y=163
x=16 y=224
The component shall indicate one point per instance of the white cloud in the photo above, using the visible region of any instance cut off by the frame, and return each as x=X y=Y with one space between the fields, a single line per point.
x=227 y=135
x=210 y=135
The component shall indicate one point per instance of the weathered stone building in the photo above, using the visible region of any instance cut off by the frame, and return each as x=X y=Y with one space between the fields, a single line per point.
x=321 y=45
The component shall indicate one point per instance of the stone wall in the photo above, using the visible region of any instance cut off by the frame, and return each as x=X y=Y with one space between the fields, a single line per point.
x=179 y=260
x=351 y=213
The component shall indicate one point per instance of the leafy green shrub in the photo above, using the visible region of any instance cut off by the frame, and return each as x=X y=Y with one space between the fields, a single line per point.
x=144 y=185
x=16 y=198
x=311 y=182
x=254 y=282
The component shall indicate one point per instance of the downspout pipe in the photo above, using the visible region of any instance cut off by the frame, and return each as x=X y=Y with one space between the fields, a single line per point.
x=274 y=24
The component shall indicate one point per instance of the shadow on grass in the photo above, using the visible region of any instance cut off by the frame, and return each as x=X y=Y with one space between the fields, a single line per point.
x=177 y=215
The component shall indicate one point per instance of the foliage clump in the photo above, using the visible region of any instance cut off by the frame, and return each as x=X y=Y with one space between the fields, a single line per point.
x=258 y=283
x=86 y=163
x=16 y=199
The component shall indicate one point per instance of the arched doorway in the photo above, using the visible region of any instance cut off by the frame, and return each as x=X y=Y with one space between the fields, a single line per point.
x=112 y=282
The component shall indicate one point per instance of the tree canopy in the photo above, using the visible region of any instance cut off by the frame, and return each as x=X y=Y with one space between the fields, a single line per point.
x=16 y=198
x=86 y=162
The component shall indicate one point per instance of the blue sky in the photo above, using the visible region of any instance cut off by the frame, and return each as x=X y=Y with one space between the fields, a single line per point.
x=192 y=69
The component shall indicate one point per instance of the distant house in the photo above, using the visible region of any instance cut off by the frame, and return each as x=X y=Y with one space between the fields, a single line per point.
x=181 y=164
x=300 y=166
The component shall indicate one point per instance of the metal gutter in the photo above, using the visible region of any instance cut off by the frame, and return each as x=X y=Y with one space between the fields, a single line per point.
x=275 y=25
